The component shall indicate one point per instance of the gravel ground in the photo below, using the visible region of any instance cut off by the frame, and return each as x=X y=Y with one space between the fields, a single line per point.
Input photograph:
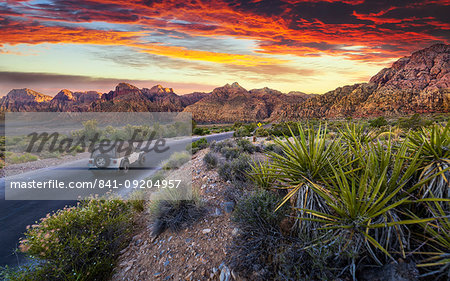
x=195 y=253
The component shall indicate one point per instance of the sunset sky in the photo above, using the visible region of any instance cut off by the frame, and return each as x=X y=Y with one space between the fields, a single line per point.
x=293 y=45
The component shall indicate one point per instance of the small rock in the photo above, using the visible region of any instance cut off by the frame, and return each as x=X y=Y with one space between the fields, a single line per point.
x=228 y=206
x=217 y=212
x=235 y=231
x=225 y=274
x=206 y=230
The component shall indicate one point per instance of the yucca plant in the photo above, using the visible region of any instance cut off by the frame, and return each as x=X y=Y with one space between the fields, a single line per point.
x=260 y=174
x=434 y=144
x=306 y=160
x=356 y=135
x=363 y=212
x=433 y=239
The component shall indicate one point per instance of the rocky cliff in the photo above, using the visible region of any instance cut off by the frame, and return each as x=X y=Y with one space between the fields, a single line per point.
x=232 y=103
x=24 y=100
x=416 y=84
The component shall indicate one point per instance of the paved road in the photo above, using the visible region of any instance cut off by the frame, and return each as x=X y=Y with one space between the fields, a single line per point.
x=15 y=215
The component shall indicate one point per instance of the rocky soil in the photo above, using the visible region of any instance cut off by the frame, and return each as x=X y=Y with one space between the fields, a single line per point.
x=195 y=253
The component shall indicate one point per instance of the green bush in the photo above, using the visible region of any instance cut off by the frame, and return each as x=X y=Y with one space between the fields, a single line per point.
x=273 y=147
x=261 y=132
x=246 y=146
x=414 y=122
x=176 y=160
x=230 y=153
x=217 y=146
x=210 y=160
x=197 y=145
x=236 y=170
x=224 y=171
x=77 y=243
x=378 y=122
x=242 y=132
x=201 y=131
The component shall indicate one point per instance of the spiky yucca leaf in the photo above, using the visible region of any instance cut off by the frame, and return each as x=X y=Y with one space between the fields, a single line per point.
x=356 y=135
x=433 y=239
x=434 y=144
x=306 y=158
x=260 y=174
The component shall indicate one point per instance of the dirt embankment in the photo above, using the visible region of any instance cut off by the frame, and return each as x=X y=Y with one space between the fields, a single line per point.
x=195 y=253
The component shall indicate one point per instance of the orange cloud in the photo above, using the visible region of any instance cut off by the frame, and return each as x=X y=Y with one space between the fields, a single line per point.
x=286 y=32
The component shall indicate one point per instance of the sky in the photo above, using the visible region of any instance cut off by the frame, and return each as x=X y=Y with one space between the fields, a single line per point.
x=312 y=46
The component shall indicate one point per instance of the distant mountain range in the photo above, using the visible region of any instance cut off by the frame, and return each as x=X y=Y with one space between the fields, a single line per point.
x=419 y=83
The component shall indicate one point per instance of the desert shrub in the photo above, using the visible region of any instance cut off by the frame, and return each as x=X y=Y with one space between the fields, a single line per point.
x=273 y=147
x=210 y=160
x=414 y=122
x=200 y=131
x=137 y=201
x=158 y=176
x=224 y=171
x=242 y=132
x=176 y=160
x=246 y=145
x=240 y=168
x=217 y=146
x=378 y=122
x=284 y=129
x=197 y=145
x=230 y=152
x=175 y=209
x=261 y=132
x=77 y=243
x=236 y=170
x=304 y=262
x=255 y=247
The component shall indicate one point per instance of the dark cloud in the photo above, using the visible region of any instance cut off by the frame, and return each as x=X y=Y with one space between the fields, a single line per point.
x=41 y=81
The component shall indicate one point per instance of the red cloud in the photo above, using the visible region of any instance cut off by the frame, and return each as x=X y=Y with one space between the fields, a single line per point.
x=283 y=33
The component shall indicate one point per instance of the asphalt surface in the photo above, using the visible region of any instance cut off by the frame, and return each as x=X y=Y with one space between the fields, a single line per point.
x=15 y=215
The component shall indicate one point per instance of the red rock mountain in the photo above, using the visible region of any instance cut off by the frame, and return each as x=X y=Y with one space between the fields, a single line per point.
x=232 y=103
x=23 y=100
x=416 y=84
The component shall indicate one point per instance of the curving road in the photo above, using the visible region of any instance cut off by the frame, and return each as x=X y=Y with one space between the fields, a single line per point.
x=15 y=215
